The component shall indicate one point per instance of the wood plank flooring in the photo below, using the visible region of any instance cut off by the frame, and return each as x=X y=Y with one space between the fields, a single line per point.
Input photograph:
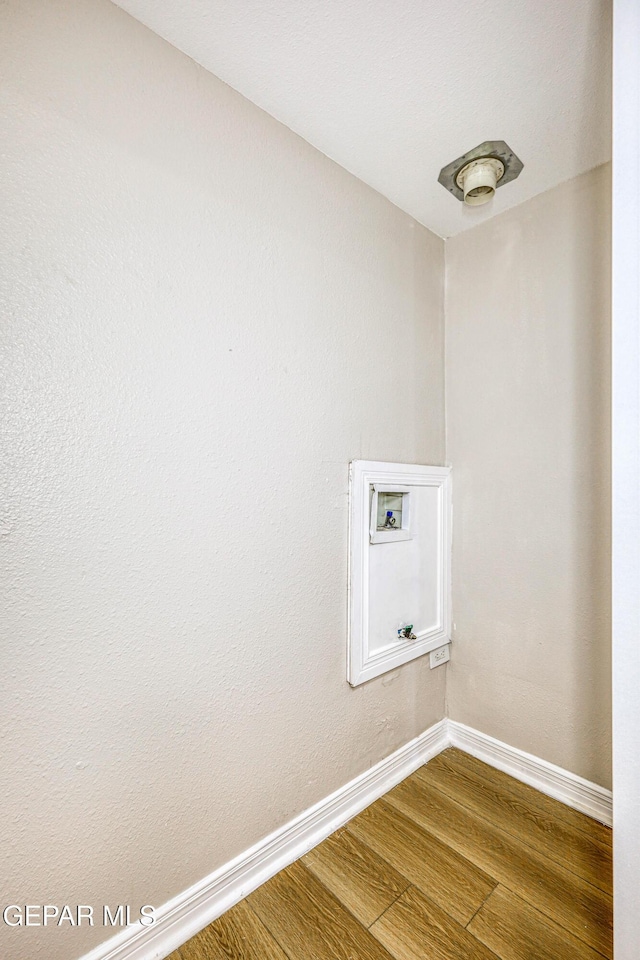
x=458 y=862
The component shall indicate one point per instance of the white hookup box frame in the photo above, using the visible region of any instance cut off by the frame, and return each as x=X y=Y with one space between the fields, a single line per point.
x=397 y=581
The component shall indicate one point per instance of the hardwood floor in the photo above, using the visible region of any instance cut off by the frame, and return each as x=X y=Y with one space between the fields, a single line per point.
x=458 y=862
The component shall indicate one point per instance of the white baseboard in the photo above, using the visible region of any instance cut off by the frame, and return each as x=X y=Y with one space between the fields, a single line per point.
x=192 y=910
x=560 y=784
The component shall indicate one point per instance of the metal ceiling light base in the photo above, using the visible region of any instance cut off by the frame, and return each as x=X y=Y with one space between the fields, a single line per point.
x=475 y=177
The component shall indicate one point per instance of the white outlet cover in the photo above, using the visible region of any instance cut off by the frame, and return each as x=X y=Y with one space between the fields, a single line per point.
x=439 y=656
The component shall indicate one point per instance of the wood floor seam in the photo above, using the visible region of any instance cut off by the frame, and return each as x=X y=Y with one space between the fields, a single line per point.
x=421 y=874
x=488 y=897
x=546 y=915
x=583 y=909
x=416 y=921
x=375 y=920
x=444 y=875
x=562 y=863
x=568 y=948
x=390 y=905
x=495 y=778
x=286 y=953
x=440 y=763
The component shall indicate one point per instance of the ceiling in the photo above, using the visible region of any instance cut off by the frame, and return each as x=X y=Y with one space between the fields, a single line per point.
x=393 y=91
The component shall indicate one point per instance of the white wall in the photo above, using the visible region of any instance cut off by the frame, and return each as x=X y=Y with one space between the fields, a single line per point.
x=528 y=401
x=204 y=320
x=626 y=478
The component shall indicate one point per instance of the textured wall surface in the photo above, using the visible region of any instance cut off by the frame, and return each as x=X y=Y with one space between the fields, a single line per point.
x=528 y=402
x=203 y=321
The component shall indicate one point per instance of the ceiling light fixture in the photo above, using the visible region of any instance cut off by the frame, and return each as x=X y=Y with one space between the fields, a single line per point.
x=475 y=177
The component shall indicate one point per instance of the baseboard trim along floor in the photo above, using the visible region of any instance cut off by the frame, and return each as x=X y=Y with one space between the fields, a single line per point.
x=199 y=905
x=570 y=789
x=191 y=911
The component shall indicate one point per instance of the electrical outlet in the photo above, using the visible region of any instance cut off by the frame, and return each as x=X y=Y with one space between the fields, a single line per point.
x=441 y=655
